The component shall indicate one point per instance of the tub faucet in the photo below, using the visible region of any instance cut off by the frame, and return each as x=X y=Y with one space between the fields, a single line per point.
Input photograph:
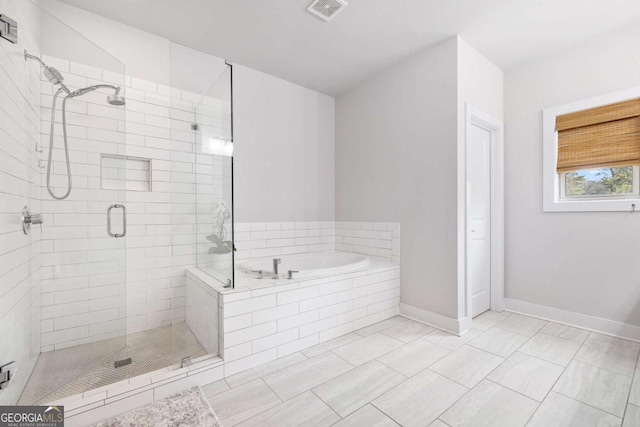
x=276 y=262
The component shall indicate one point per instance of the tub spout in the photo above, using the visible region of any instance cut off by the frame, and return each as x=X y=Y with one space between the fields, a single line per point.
x=276 y=263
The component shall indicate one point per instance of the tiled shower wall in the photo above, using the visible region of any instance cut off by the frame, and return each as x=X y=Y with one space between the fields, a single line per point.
x=84 y=289
x=19 y=187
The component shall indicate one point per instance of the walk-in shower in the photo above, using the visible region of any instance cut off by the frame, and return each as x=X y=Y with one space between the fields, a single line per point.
x=57 y=79
x=84 y=304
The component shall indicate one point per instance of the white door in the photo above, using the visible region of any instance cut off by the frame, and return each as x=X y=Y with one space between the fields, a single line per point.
x=479 y=219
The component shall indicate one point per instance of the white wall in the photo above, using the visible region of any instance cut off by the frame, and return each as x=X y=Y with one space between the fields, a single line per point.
x=399 y=150
x=284 y=150
x=145 y=55
x=481 y=86
x=581 y=262
x=19 y=186
x=396 y=155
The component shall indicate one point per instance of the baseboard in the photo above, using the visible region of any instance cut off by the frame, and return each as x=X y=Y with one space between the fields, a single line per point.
x=430 y=318
x=570 y=318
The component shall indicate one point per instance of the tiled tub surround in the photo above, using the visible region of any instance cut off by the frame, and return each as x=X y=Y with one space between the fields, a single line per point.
x=270 y=239
x=202 y=313
x=265 y=319
x=86 y=277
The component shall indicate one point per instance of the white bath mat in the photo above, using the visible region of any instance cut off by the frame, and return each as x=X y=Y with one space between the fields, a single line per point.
x=187 y=409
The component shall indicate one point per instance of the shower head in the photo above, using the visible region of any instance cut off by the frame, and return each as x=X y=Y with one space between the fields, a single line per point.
x=116 y=100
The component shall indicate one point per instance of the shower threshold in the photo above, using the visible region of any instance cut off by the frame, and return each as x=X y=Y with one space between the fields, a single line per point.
x=70 y=371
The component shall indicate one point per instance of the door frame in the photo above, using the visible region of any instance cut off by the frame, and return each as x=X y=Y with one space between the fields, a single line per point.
x=476 y=117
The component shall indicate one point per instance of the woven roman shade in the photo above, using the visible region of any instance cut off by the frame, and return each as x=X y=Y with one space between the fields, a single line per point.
x=606 y=136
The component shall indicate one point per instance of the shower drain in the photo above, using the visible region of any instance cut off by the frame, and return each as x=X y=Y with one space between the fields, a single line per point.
x=123 y=362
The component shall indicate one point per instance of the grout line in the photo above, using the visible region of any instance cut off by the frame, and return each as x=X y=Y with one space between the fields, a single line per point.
x=624 y=413
x=558 y=379
x=587 y=404
x=328 y=406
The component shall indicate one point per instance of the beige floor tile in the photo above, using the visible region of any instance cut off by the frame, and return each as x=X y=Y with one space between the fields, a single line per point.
x=303 y=376
x=354 y=389
x=595 y=386
x=241 y=403
x=614 y=340
x=377 y=327
x=631 y=416
x=438 y=423
x=330 y=345
x=467 y=365
x=305 y=410
x=420 y=400
x=552 y=349
x=408 y=331
x=634 y=396
x=368 y=348
x=527 y=375
x=566 y=332
x=413 y=357
x=499 y=342
x=262 y=370
x=215 y=388
x=560 y=411
x=450 y=341
x=611 y=355
x=368 y=416
x=488 y=320
x=522 y=325
x=490 y=404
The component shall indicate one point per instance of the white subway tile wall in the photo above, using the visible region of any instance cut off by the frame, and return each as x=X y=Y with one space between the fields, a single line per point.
x=260 y=239
x=19 y=186
x=95 y=286
x=202 y=313
x=256 y=328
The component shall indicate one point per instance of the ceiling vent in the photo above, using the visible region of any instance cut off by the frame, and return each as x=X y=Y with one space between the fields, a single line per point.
x=326 y=9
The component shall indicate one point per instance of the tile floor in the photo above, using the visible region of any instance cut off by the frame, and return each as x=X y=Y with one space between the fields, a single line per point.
x=63 y=373
x=510 y=370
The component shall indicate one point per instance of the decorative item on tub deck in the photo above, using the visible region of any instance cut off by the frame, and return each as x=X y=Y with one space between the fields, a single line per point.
x=221 y=246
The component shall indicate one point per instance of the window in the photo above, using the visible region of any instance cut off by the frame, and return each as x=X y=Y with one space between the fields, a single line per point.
x=614 y=182
x=592 y=154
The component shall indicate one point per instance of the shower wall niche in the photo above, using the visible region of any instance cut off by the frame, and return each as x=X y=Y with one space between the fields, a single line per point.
x=81 y=296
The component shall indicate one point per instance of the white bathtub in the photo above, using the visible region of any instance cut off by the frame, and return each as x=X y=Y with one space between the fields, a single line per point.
x=309 y=264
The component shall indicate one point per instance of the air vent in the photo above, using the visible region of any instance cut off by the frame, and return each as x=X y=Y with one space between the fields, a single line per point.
x=326 y=9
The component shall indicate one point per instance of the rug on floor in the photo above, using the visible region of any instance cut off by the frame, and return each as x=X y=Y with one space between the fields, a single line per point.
x=187 y=409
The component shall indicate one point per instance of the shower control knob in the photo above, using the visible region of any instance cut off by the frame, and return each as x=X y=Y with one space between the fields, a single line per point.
x=28 y=219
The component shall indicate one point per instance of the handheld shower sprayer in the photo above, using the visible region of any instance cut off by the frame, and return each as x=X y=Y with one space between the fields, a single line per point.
x=52 y=74
x=56 y=78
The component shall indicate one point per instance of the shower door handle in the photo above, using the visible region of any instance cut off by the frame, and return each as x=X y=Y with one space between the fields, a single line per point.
x=124 y=220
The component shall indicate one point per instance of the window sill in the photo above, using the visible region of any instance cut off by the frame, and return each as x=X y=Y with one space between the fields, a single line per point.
x=624 y=205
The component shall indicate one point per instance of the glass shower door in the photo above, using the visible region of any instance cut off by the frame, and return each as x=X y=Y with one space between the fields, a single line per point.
x=214 y=179
x=83 y=248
